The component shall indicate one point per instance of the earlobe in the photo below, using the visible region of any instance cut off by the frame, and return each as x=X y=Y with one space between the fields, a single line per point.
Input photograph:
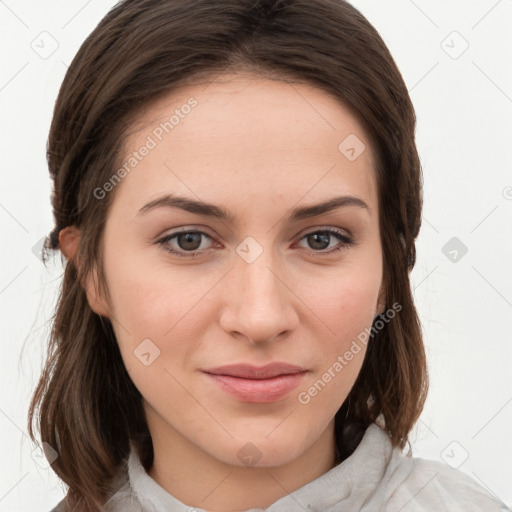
x=69 y=241
x=92 y=291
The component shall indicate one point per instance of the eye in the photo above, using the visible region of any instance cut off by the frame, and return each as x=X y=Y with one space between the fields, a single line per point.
x=188 y=243
x=321 y=240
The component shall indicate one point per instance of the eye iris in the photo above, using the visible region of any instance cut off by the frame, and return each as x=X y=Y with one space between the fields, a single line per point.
x=190 y=239
x=323 y=238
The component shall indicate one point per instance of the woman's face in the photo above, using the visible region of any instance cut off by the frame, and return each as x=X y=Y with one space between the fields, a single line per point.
x=250 y=158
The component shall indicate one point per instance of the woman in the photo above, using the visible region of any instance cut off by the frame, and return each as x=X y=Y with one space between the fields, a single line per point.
x=237 y=193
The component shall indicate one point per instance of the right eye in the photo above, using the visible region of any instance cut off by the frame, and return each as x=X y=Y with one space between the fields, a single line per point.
x=186 y=244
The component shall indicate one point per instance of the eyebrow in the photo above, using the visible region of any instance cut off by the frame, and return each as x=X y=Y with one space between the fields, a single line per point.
x=211 y=210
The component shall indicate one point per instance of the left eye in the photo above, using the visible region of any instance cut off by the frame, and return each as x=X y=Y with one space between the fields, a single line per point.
x=188 y=243
x=320 y=238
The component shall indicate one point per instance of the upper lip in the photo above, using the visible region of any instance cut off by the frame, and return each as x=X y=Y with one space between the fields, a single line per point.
x=248 y=371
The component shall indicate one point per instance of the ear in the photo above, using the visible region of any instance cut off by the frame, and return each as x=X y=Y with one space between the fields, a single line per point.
x=69 y=241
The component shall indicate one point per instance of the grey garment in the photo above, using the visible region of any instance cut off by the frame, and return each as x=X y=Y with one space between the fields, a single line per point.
x=375 y=478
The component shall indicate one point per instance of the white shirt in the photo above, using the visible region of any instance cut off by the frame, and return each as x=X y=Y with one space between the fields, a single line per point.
x=375 y=478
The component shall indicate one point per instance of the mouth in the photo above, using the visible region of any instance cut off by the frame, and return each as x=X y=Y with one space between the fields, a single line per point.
x=254 y=384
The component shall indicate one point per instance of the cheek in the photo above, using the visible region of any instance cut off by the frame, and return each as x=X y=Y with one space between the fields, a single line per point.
x=152 y=299
x=166 y=306
x=349 y=317
x=346 y=304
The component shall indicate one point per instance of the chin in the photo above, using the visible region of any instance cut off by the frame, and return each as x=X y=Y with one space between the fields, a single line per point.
x=261 y=451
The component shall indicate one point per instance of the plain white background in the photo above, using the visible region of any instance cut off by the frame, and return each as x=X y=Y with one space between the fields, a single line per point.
x=455 y=58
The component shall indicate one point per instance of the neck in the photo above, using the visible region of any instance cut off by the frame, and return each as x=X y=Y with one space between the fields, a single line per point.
x=197 y=479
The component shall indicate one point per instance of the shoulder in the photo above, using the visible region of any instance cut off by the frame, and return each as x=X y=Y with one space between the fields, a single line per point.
x=420 y=485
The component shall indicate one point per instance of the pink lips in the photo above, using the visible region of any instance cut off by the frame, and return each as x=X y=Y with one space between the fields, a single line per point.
x=257 y=384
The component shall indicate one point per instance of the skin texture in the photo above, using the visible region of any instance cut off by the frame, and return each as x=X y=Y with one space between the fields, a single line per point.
x=258 y=148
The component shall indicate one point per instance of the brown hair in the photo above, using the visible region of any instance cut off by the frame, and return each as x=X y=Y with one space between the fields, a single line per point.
x=85 y=404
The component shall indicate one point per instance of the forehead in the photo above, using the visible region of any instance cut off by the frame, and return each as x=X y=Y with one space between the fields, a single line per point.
x=252 y=136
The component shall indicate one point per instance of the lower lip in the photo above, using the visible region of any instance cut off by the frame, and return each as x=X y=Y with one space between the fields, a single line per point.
x=258 y=390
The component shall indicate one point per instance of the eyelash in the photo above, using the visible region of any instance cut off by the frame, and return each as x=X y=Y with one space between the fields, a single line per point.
x=345 y=242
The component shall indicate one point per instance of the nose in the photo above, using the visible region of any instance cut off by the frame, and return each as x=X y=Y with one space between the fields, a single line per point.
x=260 y=304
